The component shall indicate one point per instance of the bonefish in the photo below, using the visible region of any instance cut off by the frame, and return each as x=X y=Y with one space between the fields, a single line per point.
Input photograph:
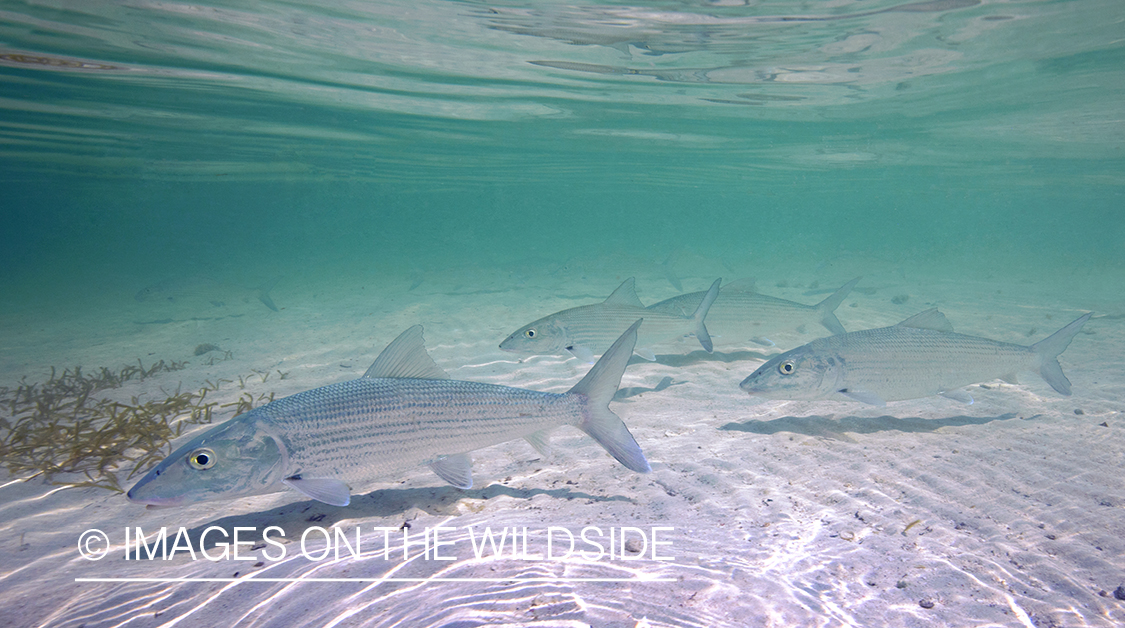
x=587 y=330
x=403 y=412
x=740 y=312
x=918 y=357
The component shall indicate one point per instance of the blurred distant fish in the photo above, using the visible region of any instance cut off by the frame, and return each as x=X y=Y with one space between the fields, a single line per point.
x=203 y=289
x=920 y=356
x=670 y=272
x=588 y=330
x=740 y=313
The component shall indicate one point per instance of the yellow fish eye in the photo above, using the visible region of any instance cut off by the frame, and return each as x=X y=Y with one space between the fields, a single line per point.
x=786 y=368
x=529 y=333
x=202 y=459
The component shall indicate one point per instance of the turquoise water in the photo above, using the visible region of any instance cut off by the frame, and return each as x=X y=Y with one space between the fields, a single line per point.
x=475 y=166
x=143 y=139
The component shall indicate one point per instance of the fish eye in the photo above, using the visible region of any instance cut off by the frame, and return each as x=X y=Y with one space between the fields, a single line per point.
x=529 y=333
x=786 y=368
x=202 y=459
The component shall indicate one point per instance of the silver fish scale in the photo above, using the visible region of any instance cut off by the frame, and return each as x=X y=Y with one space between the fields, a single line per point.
x=906 y=362
x=599 y=326
x=737 y=312
x=370 y=427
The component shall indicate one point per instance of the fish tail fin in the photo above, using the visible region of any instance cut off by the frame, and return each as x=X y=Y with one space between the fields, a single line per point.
x=1049 y=349
x=827 y=307
x=264 y=293
x=598 y=388
x=670 y=273
x=701 y=313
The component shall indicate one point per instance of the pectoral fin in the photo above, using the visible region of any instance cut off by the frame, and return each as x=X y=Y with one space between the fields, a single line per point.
x=582 y=353
x=456 y=469
x=327 y=490
x=863 y=396
x=646 y=354
x=958 y=395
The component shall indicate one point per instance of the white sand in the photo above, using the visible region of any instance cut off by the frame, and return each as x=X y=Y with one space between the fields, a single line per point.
x=1007 y=512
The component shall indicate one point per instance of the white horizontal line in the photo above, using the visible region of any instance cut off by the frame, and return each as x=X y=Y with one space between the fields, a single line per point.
x=374 y=579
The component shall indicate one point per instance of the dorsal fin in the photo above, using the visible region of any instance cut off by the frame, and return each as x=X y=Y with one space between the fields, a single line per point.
x=625 y=294
x=406 y=357
x=746 y=284
x=930 y=319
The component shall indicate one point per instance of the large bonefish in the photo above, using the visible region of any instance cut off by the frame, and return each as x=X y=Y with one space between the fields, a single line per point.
x=920 y=356
x=403 y=412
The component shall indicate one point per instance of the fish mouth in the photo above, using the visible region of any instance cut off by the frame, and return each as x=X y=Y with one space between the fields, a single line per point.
x=751 y=387
x=152 y=501
x=510 y=347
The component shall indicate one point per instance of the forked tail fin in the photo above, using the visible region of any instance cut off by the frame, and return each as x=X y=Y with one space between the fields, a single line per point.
x=827 y=307
x=701 y=313
x=598 y=388
x=1049 y=349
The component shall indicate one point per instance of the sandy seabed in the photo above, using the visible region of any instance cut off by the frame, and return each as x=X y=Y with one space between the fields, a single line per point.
x=1006 y=512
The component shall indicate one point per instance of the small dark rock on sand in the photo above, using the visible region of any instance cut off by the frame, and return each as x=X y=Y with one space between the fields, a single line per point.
x=900 y=299
x=926 y=603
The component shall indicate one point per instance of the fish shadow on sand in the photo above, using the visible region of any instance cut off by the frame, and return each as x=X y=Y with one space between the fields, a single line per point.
x=839 y=428
x=634 y=391
x=167 y=321
x=681 y=360
x=441 y=501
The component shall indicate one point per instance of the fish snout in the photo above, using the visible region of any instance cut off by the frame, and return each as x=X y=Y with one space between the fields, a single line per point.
x=751 y=385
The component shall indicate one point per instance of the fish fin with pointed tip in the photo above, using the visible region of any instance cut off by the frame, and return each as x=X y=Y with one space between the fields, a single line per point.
x=701 y=314
x=328 y=490
x=670 y=273
x=958 y=395
x=625 y=294
x=746 y=284
x=862 y=396
x=646 y=353
x=264 y=293
x=930 y=319
x=1049 y=349
x=582 y=353
x=541 y=441
x=827 y=307
x=406 y=357
x=456 y=469
x=598 y=388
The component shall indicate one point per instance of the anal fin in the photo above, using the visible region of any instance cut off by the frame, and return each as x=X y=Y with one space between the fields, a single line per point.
x=541 y=442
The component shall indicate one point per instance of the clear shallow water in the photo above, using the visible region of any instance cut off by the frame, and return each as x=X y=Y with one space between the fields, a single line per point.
x=514 y=158
x=168 y=134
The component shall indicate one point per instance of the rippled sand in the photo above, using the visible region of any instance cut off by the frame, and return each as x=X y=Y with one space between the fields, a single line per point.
x=1007 y=512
